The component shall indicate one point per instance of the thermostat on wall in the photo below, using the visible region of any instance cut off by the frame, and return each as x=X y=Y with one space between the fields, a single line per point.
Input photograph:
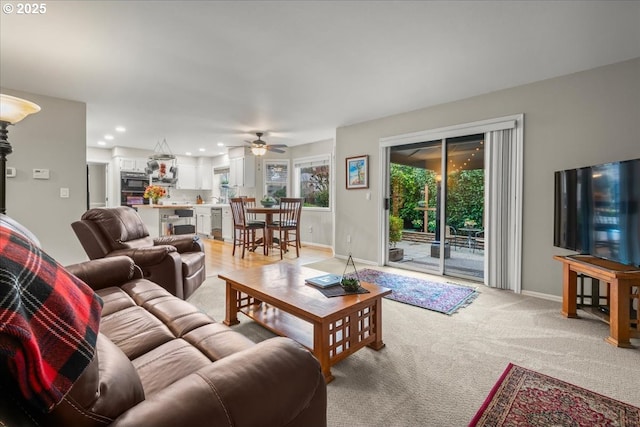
x=41 y=174
x=11 y=172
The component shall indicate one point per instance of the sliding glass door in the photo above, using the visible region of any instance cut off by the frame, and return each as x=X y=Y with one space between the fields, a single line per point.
x=437 y=201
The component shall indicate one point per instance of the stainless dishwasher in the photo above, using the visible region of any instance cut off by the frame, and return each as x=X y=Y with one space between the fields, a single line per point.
x=216 y=223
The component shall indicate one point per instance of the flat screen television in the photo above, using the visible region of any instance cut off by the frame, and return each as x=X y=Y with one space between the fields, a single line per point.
x=596 y=211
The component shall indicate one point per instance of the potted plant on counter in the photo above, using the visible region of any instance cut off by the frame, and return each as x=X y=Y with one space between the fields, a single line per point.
x=154 y=193
x=395 y=235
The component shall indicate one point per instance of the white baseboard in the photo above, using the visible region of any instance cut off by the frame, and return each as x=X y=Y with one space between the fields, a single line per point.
x=549 y=297
x=317 y=245
x=361 y=261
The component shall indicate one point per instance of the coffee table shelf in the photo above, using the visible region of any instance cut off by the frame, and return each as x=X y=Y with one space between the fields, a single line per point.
x=281 y=323
x=276 y=297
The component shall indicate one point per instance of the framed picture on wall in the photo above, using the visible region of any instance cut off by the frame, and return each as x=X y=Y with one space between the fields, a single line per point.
x=357 y=172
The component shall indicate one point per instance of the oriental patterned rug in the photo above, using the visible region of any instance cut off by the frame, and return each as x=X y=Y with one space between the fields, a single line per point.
x=522 y=397
x=445 y=298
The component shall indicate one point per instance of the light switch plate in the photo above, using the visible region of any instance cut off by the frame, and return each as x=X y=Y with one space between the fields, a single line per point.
x=64 y=192
x=41 y=174
x=11 y=172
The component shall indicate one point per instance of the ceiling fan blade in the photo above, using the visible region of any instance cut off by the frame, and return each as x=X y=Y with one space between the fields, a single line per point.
x=278 y=145
x=275 y=150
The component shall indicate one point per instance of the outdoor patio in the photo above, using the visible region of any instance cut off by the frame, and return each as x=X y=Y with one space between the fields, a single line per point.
x=464 y=260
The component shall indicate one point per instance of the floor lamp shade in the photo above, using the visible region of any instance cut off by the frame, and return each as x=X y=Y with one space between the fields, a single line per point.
x=12 y=110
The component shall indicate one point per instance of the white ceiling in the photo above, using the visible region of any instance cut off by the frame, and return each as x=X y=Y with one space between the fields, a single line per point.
x=198 y=72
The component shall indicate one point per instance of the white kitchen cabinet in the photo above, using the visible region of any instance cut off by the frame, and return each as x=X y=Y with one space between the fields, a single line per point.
x=203 y=220
x=187 y=177
x=205 y=174
x=132 y=164
x=227 y=224
x=242 y=172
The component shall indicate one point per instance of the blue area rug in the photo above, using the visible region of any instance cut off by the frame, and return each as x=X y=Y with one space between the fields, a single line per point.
x=445 y=298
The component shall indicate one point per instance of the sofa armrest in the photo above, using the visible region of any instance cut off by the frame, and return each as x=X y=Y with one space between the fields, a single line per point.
x=150 y=255
x=106 y=272
x=182 y=242
x=275 y=383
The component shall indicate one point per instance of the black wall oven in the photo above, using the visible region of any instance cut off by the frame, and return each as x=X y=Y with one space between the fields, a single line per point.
x=132 y=185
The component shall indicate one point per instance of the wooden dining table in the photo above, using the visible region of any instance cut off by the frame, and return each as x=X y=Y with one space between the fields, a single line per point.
x=268 y=213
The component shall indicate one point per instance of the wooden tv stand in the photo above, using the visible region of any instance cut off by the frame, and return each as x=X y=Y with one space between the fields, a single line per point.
x=619 y=278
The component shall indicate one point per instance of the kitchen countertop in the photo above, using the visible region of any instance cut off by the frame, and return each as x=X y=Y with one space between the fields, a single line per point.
x=163 y=206
x=211 y=205
x=183 y=206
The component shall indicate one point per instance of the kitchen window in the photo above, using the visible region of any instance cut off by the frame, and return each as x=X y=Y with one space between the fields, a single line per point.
x=276 y=178
x=312 y=181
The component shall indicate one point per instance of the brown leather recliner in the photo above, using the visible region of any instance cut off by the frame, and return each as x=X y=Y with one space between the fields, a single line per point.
x=177 y=263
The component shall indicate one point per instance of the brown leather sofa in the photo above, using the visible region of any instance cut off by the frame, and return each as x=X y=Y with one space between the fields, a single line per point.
x=159 y=361
x=177 y=262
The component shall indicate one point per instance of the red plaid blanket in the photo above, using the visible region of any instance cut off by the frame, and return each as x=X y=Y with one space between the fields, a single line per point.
x=49 y=321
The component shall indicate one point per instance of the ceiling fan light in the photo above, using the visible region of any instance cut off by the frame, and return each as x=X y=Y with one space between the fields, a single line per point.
x=259 y=151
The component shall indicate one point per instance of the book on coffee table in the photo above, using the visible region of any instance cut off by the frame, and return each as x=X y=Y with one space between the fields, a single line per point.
x=324 y=281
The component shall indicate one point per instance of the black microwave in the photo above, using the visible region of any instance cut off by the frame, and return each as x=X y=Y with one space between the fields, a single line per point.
x=133 y=181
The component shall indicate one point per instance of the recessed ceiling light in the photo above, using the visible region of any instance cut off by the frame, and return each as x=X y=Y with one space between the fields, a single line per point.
x=188 y=153
x=102 y=143
x=201 y=149
x=221 y=152
x=220 y=144
x=120 y=129
x=108 y=137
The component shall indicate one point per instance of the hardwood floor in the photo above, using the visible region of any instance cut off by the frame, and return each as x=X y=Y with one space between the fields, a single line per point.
x=219 y=256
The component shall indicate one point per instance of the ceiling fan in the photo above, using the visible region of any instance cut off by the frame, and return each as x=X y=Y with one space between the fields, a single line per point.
x=260 y=147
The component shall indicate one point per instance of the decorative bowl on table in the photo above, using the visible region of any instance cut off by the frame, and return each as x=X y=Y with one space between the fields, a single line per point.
x=268 y=202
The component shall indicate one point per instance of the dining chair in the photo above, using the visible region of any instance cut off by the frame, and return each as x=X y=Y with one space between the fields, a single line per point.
x=244 y=231
x=252 y=218
x=288 y=225
x=478 y=241
x=451 y=236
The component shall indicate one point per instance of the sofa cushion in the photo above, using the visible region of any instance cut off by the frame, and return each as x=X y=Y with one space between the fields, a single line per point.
x=135 y=330
x=143 y=290
x=216 y=340
x=114 y=299
x=180 y=316
x=167 y=364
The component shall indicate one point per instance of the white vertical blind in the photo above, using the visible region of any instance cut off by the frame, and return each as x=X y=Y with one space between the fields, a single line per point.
x=503 y=226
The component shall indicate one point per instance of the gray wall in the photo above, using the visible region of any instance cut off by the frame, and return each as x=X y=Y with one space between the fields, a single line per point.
x=580 y=119
x=54 y=139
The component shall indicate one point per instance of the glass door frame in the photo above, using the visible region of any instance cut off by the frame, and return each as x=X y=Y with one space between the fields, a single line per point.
x=443 y=266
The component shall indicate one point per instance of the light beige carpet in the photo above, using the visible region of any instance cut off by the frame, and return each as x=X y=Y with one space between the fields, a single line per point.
x=436 y=370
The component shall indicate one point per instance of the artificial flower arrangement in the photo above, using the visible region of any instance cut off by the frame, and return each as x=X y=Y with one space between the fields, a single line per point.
x=154 y=192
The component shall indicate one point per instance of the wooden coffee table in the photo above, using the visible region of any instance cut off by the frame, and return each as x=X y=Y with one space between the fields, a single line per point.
x=277 y=297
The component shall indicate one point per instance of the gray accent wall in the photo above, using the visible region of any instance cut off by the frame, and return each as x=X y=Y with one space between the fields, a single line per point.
x=54 y=139
x=580 y=119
